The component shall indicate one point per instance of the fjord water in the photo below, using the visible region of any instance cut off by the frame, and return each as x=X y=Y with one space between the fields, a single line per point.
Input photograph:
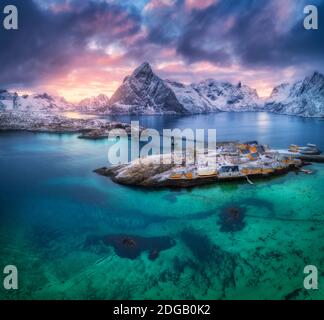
x=52 y=202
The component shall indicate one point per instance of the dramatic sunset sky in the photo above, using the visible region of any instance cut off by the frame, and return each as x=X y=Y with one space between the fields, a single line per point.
x=80 y=48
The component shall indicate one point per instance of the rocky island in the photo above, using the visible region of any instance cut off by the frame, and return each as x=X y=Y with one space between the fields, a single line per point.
x=231 y=161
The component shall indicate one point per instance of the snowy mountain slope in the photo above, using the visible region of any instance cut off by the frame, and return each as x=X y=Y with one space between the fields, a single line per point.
x=225 y=96
x=34 y=103
x=189 y=97
x=213 y=96
x=7 y=100
x=43 y=102
x=97 y=104
x=304 y=98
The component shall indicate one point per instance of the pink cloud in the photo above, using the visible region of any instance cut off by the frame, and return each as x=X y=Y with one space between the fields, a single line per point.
x=60 y=7
x=156 y=4
x=199 y=4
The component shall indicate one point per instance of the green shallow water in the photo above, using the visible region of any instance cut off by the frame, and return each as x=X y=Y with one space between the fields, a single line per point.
x=51 y=202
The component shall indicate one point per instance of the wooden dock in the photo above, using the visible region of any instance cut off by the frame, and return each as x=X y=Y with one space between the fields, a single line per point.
x=305 y=157
x=311 y=158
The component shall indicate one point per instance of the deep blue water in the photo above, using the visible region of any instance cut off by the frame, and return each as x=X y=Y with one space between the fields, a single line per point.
x=276 y=130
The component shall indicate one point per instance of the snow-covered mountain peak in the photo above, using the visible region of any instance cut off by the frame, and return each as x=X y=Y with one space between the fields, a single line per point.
x=143 y=70
x=99 y=103
x=317 y=77
x=304 y=98
x=101 y=98
x=42 y=96
x=144 y=92
x=175 y=83
x=282 y=86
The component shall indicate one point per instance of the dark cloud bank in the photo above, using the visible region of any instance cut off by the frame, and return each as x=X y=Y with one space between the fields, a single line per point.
x=246 y=32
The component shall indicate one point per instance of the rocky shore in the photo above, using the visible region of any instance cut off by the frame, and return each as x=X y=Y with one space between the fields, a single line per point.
x=149 y=172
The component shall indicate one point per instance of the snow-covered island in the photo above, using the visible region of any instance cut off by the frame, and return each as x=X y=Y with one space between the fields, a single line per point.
x=89 y=128
x=231 y=161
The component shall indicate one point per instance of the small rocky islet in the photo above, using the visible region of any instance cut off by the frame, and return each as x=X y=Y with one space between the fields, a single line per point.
x=131 y=246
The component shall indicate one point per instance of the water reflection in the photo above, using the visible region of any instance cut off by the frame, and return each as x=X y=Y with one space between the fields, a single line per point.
x=277 y=130
x=77 y=115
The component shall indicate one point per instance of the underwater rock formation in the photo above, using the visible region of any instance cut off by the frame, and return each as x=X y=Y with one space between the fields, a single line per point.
x=231 y=219
x=131 y=246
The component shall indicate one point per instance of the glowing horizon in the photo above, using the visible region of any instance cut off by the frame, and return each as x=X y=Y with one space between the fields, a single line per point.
x=75 y=92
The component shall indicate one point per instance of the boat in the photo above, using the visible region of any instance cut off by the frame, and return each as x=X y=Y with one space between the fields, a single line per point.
x=306 y=171
x=188 y=175
x=176 y=176
x=181 y=176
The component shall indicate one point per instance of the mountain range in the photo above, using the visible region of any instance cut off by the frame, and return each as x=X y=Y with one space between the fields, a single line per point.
x=304 y=98
x=143 y=92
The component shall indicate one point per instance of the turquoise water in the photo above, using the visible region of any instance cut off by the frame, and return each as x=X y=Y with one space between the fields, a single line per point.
x=52 y=203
